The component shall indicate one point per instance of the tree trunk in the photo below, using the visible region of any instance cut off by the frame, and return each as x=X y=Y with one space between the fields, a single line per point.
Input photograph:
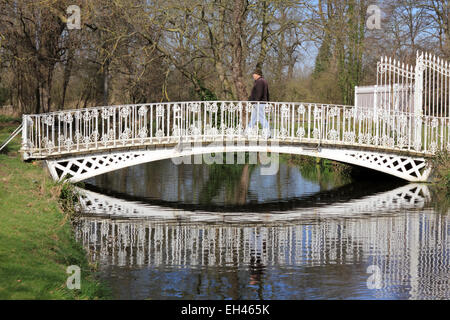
x=219 y=51
x=38 y=99
x=239 y=13
x=263 y=41
x=106 y=83
x=48 y=101
x=67 y=74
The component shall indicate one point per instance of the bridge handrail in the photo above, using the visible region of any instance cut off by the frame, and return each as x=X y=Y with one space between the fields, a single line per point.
x=182 y=102
x=71 y=131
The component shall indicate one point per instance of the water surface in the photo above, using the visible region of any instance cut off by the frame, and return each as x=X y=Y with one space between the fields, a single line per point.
x=161 y=231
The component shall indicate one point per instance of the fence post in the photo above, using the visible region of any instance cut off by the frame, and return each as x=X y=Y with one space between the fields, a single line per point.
x=418 y=96
x=24 y=136
x=375 y=111
x=375 y=99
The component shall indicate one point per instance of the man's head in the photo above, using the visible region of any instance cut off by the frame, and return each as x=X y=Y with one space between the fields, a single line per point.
x=257 y=73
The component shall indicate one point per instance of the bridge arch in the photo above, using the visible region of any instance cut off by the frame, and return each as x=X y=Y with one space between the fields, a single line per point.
x=78 y=168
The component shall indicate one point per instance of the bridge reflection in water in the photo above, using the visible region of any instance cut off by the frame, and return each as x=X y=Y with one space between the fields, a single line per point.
x=220 y=260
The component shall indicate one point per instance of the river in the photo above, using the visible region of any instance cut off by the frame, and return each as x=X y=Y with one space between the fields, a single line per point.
x=167 y=231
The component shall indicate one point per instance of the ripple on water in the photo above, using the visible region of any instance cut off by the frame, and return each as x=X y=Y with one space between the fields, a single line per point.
x=162 y=231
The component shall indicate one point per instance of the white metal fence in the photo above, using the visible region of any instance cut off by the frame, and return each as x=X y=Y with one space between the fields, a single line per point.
x=433 y=77
x=395 y=87
x=378 y=97
x=423 y=89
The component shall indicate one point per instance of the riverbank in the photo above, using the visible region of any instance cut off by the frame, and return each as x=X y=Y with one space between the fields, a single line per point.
x=441 y=176
x=441 y=182
x=37 y=241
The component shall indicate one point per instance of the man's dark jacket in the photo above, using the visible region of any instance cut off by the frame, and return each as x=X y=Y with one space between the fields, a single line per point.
x=260 y=91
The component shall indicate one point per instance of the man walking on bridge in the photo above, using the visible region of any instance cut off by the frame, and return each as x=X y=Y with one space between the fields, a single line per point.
x=260 y=93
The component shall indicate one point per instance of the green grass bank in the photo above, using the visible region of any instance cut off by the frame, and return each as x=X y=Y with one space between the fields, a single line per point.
x=37 y=243
x=441 y=182
x=441 y=174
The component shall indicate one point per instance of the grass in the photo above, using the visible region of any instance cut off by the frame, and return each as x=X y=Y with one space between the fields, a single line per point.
x=5 y=119
x=36 y=236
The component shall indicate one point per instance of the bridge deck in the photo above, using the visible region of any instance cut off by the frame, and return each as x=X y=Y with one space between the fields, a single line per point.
x=312 y=144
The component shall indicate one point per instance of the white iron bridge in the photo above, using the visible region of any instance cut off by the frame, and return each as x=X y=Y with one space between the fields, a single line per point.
x=400 y=141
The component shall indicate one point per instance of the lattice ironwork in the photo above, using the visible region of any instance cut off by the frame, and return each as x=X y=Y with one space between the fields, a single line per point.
x=79 y=168
x=405 y=167
x=85 y=167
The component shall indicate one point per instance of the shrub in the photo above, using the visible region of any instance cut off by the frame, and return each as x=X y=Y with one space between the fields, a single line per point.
x=441 y=176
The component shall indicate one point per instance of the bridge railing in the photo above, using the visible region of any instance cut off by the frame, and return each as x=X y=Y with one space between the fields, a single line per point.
x=72 y=131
